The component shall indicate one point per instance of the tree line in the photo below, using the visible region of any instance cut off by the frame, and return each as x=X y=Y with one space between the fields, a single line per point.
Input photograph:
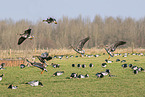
x=69 y=31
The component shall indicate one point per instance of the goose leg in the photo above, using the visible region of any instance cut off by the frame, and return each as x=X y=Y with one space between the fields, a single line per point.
x=109 y=58
x=42 y=71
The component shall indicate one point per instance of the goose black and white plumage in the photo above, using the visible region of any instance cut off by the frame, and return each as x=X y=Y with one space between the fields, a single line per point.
x=1 y=77
x=130 y=65
x=124 y=65
x=74 y=75
x=12 y=87
x=83 y=76
x=58 y=73
x=22 y=66
x=79 y=65
x=43 y=57
x=134 y=67
x=91 y=65
x=55 y=65
x=108 y=61
x=83 y=65
x=39 y=65
x=123 y=61
x=104 y=65
x=73 y=65
x=117 y=60
x=24 y=36
x=99 y=75
x=79 y=48
x=35 y=83
x=113 y=47
x=140 y=69
x=104 y=73
x=2 y=66
x=135 y=71
x=50 y=20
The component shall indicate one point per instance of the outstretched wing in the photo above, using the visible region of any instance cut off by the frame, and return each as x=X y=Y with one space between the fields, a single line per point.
x=27 y=31
x=39 y=65
x=40 y=59
x=118 y=43
x=21 y=39
x=82 y=43
x=50 y=19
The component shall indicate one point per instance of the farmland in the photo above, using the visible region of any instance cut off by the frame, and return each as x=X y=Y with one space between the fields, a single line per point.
x=125 y=83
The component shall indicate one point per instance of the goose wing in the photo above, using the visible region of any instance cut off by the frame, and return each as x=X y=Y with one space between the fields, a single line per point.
x=82 y=43
x=39 y=65
x=40 y=59
x=27 y=31
x=21 y=39
x=118 y=43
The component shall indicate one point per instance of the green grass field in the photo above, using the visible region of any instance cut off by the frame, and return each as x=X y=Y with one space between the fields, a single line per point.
x=123 y=85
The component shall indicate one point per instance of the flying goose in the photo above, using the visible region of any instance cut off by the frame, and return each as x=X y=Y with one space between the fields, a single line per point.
x=50 y=20
x=79 y=48
x=25 y=35
x=39 y=65
x=113 y=47
x=43 y=57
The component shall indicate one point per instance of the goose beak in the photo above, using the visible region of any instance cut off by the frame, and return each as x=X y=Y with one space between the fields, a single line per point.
x=55 y=22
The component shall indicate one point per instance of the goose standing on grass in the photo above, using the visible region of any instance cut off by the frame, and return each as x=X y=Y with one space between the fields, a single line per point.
x=91 y=65
x=24 y=36
x=104 y=65
x=50 y=20
x=2 y=66
x=1 y=77
x=80 y=46
x=22 y=66
x=58 y=73
x=55 y=65
x=124 y=65
x=135 y=71
x=35 y=83
x=39 y=65
x=113 y=47
x=12 y=87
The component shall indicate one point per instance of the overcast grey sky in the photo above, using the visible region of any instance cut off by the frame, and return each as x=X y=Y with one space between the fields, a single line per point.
x=35 y=10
